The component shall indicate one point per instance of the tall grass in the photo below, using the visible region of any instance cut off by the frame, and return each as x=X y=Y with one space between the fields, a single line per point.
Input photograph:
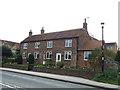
x=109 y=76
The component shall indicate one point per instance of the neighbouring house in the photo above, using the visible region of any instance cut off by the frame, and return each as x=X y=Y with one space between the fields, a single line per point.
x=112 y=46
x=13 y=45
x=72 y=47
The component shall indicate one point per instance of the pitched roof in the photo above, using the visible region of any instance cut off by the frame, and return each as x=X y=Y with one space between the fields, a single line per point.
x=54 y=35
x=6 y=41
x=110 y=43
x=10 y=43
x=92 y=44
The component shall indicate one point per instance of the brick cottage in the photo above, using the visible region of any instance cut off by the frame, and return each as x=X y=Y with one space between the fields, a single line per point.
x=72 y=47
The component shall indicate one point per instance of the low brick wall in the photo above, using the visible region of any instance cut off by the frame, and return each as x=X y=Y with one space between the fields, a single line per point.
x=77 y=73
x=84 y=74
x=15 y=66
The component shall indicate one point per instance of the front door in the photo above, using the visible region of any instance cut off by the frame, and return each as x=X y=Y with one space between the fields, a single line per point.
x=58 y=57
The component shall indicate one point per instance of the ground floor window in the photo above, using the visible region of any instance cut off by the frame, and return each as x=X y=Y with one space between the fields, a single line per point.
x=67 y=55
x=48 y=55
x=36 y=55
x=86 y=55
x=24 y=55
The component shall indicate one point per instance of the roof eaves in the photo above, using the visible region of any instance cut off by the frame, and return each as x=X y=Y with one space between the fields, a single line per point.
x=48 y=39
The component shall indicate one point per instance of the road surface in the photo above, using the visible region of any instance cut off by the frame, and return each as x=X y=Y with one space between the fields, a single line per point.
x=17 y=80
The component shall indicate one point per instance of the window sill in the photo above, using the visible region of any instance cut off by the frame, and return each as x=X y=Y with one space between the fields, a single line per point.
x=49 y=47
x=85 y=59
x=37 y=48
x=67 y=59
x=68 y=47
x=49 y=58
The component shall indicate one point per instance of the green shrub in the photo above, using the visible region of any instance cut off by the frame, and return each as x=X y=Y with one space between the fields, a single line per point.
x=117 y=58
x=6 y=51
x=66 y=67
x=49 y=64
x=60 y=64
x=39 y=65
x=110 y=54
x=10 y=63
x=31 y=59
x=19 y=59
x=4 y=61
x=109 y=76
x=95 y=58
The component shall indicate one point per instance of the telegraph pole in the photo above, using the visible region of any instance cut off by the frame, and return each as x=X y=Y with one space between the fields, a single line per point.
x=102 y=24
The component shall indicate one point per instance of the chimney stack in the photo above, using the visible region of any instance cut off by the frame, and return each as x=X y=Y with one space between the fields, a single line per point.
x=30 y=33
x=85 y=24
x=42 y=30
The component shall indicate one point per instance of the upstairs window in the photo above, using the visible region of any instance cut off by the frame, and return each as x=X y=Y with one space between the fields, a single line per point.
x=36 y=55
x=48 y=55
x=86 y=55
x=68 y=55
x=68 y=43
x=25 y=46
x=49 y=44
x=37 y=44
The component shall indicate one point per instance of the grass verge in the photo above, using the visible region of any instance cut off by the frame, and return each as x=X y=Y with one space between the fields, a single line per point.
x=109 y=76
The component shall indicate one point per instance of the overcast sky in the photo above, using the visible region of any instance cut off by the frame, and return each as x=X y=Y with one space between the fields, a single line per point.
x=18 y=17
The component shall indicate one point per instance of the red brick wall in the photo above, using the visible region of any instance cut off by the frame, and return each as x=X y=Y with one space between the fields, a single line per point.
x=58 y=47
x=81 y=62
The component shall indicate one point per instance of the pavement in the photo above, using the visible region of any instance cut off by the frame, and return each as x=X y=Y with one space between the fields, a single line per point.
x=72 y=79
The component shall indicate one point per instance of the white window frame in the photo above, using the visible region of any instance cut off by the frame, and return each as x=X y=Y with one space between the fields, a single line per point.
x=37 y=44
x=24 y=55
x=68 y=43
x=49 y=44
x=25 y=46
x=49 y=53
x=58 y=59
x=68 y=53
x=36 y=55
x=28 y=54
x=86 y=55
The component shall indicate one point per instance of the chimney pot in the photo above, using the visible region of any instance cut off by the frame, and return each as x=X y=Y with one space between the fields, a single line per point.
x=42 y=30
x=30 y=33
x=85 y=24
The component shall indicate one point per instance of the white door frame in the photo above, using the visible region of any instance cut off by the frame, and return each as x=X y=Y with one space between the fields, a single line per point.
x=58 y=59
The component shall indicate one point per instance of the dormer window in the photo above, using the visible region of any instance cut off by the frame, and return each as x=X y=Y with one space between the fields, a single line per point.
x=37 y=44
x=49 y=44
x=68 y=43
x=25 y=46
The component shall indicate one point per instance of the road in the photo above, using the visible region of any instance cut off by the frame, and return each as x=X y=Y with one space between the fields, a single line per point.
x=17 y=80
